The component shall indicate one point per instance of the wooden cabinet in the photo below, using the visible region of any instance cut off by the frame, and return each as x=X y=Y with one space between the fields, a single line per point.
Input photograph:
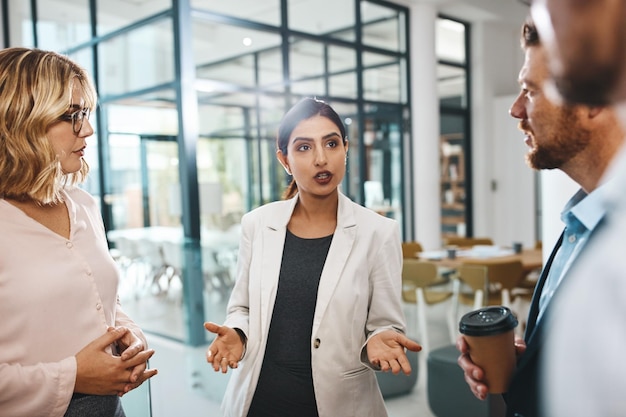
x=452 y=185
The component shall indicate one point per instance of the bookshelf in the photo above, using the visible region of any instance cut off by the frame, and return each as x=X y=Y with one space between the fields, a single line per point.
x=452 y=181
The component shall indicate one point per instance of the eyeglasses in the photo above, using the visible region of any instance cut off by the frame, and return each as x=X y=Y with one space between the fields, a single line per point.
x=77 y=118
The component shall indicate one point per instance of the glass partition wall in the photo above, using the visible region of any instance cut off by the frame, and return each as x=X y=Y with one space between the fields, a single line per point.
x=191 y=94
x=455 y=145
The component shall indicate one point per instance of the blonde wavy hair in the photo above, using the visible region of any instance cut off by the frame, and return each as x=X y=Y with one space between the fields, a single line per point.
x=35 y=91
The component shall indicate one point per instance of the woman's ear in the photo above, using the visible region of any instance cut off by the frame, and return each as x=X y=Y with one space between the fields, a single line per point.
x=282 y=158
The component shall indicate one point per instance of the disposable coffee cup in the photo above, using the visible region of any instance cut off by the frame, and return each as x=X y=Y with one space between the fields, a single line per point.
x=489 y=333
x=517 y=247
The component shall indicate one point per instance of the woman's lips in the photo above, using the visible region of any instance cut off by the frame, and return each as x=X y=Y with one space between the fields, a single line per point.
x=323 y=177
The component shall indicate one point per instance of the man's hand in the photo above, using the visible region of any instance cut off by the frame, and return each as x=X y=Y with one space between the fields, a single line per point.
x=474 y=374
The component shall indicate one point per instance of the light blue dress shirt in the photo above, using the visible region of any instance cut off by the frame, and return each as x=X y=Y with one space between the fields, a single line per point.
x=581 y=215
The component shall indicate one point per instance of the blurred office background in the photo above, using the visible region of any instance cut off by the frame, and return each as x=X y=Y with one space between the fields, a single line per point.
x=190 y=96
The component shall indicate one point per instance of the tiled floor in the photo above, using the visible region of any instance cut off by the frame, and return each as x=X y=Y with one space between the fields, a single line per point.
x=187 y=386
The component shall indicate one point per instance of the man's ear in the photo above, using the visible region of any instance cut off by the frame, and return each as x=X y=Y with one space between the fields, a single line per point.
x=282 y=158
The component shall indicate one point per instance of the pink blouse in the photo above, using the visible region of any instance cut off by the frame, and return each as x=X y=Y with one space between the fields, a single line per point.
x=56 y=296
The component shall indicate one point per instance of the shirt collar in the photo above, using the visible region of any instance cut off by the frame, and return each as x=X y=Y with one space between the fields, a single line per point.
x=588 y=209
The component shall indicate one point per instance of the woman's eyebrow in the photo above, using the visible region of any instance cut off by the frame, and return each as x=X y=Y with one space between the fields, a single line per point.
x=308 y=139
x=330 y=135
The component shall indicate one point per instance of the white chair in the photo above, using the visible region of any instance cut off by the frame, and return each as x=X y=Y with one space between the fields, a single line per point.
x=217 y=277
x=131 y=268
x=173 y=268
x=159 y=273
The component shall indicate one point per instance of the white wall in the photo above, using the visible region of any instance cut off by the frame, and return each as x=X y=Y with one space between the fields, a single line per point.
x=556 y=189
x=425 y=126
x=509 y=212
x=514 y=194
x=506 y=213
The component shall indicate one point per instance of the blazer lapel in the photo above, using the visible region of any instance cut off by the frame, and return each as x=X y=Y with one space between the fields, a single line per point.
x=532 y=335
x=340 y=248
x=273 y=242
x=534 y=305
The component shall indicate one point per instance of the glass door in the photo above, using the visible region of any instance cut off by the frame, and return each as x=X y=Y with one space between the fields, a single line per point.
x=383 y=163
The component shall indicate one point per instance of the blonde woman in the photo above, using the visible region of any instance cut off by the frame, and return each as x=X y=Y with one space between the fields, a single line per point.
x=66 y=347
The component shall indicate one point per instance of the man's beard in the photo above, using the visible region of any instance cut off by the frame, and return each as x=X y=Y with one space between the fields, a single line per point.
x=568 y=140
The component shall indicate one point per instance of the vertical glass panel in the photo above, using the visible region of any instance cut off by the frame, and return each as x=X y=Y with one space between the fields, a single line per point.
x=222 y=186
x=450 y=40
x=143 y=170
x=451 y=86
x=84 y=57
x=382 y=140
x=136 y=60
x=266 y=11
x=307 y=60
x=453 y=169
x=113 y=15
x=144 y=174
x=341 y=59
x=144 y=194
x=226 y=126
x=62 y=23
x=142 y=142
x=323 y=17
x=251 y=122
x=153 y=114
x=312 y=87
x=382 y=27
x=222 y=180
x=270 y=177
x=343 y=85
x=270 y=69
x=21 y=23
x=381 y=78
x=270 y=165
x=125 y=193
x=230 y=54
x=163 y=177
x=342 y=80
x=351 y=185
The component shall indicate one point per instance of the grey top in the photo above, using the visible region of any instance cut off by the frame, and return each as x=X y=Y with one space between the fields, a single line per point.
x=285 y=384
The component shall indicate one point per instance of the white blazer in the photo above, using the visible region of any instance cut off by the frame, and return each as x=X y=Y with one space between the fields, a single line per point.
x=359 y=295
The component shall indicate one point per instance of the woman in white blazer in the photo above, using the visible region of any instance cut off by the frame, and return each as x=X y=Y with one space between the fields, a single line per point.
x=316 y=307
